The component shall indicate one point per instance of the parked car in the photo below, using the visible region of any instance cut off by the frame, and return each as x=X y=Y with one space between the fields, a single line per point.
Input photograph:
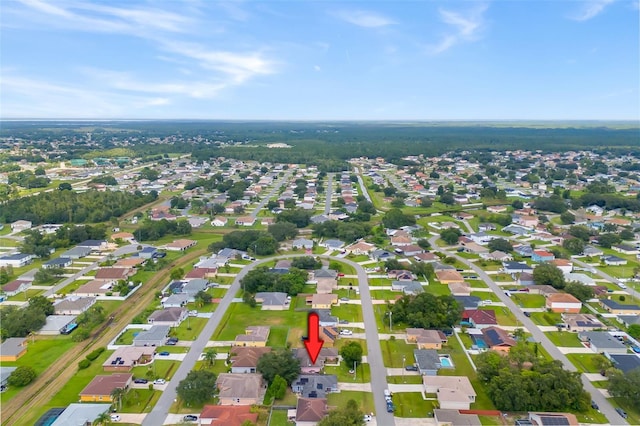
x=163 y=353
x=344 y=299
x=172 y=341
x=193 y=313
x=159 y=381
x=140 y=381
x=344 y=322
x=346 y=332
x=390 y=407
x=411 y=368
x=115 y=418
x=622 y=412
x=367 y=418
x=190 y=418
x=527 y=314
x=594 y=405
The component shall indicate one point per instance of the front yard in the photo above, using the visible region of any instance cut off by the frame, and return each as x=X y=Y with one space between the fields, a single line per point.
x=564 y=339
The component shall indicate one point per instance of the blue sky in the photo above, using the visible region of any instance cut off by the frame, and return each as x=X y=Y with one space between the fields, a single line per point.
x=320 y=60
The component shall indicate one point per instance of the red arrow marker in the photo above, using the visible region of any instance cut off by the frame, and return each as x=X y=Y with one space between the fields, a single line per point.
x=312 y=342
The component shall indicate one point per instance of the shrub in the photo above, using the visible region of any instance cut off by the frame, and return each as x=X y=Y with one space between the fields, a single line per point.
x=95 y=354
x=84 y=364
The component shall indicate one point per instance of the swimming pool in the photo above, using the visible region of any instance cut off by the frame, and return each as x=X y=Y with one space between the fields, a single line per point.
x=446 y=362
x=479 y=342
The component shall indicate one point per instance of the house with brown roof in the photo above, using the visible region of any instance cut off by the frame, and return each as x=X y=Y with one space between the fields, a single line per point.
x=453 y=392
x=497 y=339
x=172 y=317
x=245 y=221
x=129 y=262
x=480 y=318
x=113 y=273
x=563 y=302
x=244 y=359
x=322 y=301
x=73 y=305
x=460 y=289
x=425 y=257
x=448 y=276
x=126 y=357
x=15 y=287
x=124 y=236
x=255 y=336
x=360 y=247
x=100 y=388
x=310 y=411
x=180 y=245
x=326 y=356
x=95 y=288
x=426 y=339
x=326 y=280
x=581 y=322
x=542 y=419
x=240 y=389
x=329 y=334
x=227 y=415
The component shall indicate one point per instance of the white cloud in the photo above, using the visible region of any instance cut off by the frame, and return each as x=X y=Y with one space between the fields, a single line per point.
x=364 y=19
x=317 y=68
x=591 y=9
x=466 y=27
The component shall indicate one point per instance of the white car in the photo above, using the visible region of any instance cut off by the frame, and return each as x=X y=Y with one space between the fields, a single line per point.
x=115 y=418
x=159 y=381
x=346 y=332
x=367 y=418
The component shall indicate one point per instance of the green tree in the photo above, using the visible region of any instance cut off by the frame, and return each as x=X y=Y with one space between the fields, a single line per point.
x=500 y=244
x=548 y=274
x=306 y=262
x=209 y=357
x=283 y=230
x=102 y=419
x=197 y=388
x=427 y=311
x=567 y=218
x=351 y=353
x=203 y=298
x=579 y=291
x=626 y=386
x=278 y=387
x=177 y=274
x=634 y=331
x=394 y=219
x=21 y=376
x=450 y=235
x=279 y=363
x=117 y=395
x=574 y=245
x=609 y=239
x=42 y=303
x=351 y=415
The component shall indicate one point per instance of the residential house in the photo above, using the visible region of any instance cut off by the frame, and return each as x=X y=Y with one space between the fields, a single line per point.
x=101 y=387
x=148 y=252
x=527 y=221
x=452 y=392
x=578 y=277
x=516 y=268
x=454 y=418
x=310 y=411
x=333 y=244
x=219 y=221
x=123 y=236
x=407 y=287
x=15 y=287
x=172 y=317
x=180 y=245
x=360 y=247
x=485 y=227
x=472 y=247
x=481 y=237
x=449 y=276
x=516 y=230
x=426 y=339
x=273 y=301
x=59 y=262
x=80 y=414
x=326 y=356
x=192 y=287
x=315 y=385
x=16 y=260
x=497 y=209
x=382 y=255
x=175 y=301
x=155 y=336
x=602 y=341
x=244 y=359
x=627 y=320
x=480 y=318
x=460 y=289
x=21 y=225
x=401 y=240
x=624 y=362
x=329 y=335
x=240 y=389
x=94 y=245
x=549 y=419
x=497 y=339
x=614 y=260
x=126 y=357
x=326 y=319
x=95 y=288
x=245 y=221
x=227 y=415
x=326 y=280
x=592 y=251
x=400 y=275
x=410 y=250
x=254 y=335
x=322 y=301
x=57 y=324
x=618 y=308
x=542 y=256
x=625 y=249
x=129 y=262
x=13 y=348
x=563 y=302
x=5 y=372
x=108 y=274
x=302 y=243
x=581 y=322
x=468 y=302
x=523 y=250
x=525 y=278
x=427 y=361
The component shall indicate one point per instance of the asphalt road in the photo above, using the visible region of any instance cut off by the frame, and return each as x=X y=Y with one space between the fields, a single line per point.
x=630 y=289
x=363 y=188
x=328 y=193
x=374 y=357
x=605 y=407
x=281 y=181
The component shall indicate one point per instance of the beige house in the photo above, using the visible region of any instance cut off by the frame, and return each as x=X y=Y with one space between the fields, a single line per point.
x=449 y=276
x=453 y=392
x=322 y=301
x=255 y=336
x=127 y=357
x=240 y=389
x=426 y=339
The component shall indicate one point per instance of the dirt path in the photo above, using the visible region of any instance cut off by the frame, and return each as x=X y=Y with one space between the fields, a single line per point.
x=23 y=406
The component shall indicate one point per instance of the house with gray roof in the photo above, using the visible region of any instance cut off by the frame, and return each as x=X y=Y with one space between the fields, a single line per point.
x=58 y=262
x=427 y=361
x=627 y=320
x=625 y=362
x=602 y=341
x=326 y=319
x=333 y=244
x=56 y=323
x=172 y=317
x=192 y=287
x=175 y=301
x=273 y=301
x=302 y=243
x=155 y=336
x=315 y=385
x=73 y=305
x=13 y=348
x=5 y=372
x=80 y=414
x=77 y=253
x=407 y=287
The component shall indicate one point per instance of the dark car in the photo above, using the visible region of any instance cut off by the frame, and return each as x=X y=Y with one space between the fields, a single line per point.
x=190 y=418
x=594 y=405
x=163 y=353
x=172 y=341
x=411 y=368
x=527 y=314
x=622 y=412
x=140 y=381
x=390 y=407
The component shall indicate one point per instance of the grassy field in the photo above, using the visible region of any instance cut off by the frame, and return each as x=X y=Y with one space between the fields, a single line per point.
x=140 y=400
x=409 y=379
x=528 y=300
x=278 y=336
x=394 y=350
x=340 y=399
x=546 y=318
x=411 y=404
x=437 y=289
x=362 y=375
x=239 y=316
x=351 y=313
x=160 y=369
x=189 y=329
x=584 y=362
x=503 y=315
x=564 y=339
x=279 y=418
x=486 y=295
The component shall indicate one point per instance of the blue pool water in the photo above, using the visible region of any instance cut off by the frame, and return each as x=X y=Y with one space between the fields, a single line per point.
x=479 y=342
x=446 y=362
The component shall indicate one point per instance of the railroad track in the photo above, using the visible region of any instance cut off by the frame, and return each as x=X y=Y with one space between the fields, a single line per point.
x=20 y=409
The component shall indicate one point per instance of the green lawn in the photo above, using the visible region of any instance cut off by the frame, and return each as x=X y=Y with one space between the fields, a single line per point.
x=278 y=336
x=546 y=318
x=340 y=399
x=477 y=283
x=385 y=294
x=239 y=316
x=140 y=400
x=411 y=404
x=279 y=418
x=394 y=350
x=189 y=329
x=351 y=313
x=486 y=295
x=126 y=338
x=584 y=362
x=528 y=300
x=379 y=282
x=363 y=373
x=564 y=339
x=159 y=369
x=409 y=379
x=504 y=316
x=437 y=289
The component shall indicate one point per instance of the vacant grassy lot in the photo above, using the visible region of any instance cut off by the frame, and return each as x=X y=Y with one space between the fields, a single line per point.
x=394 y=350
x=437 y=289
x=486 y=295
x=278 y=336
x=189 y=329
x=140 y=400
x=279 y=418
x=126 y=338
x=351 y=313
x=363 y=373
x=411 y=404
x=408 y=379
x=584 y=362
x=239 y=316
x=340 y=399
x=158 y=369
x=528 y=300
x=564 y=339
x=503 y=315
x=546 y=318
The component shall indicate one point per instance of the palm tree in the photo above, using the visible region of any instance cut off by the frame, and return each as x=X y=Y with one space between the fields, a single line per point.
x=116 y=396
x=209 y=357
x=102 y=419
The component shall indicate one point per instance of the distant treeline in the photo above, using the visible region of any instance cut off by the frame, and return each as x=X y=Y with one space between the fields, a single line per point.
x=72 y=207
